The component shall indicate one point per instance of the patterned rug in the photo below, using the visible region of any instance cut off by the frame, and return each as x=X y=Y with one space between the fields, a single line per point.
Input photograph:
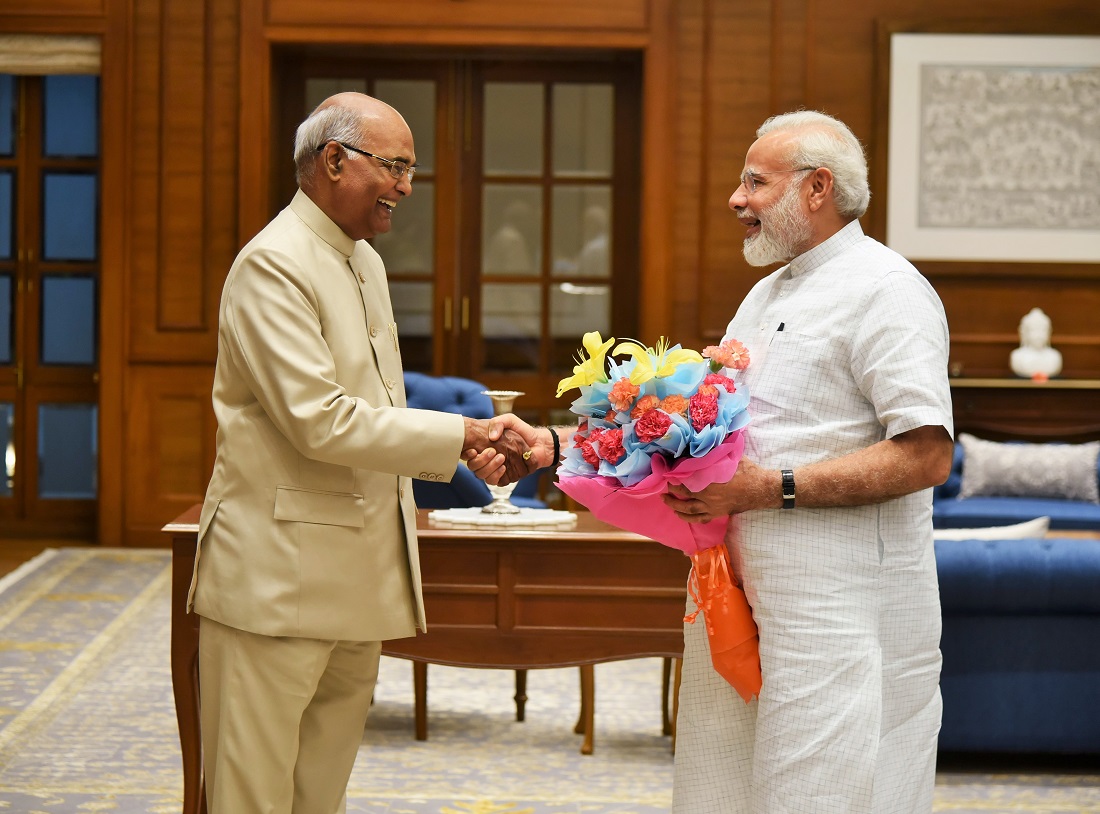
x=87 y=722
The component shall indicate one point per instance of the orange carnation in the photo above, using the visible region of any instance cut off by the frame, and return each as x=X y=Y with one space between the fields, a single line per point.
x=675 y=404
x=644 y=405
x=622 y=395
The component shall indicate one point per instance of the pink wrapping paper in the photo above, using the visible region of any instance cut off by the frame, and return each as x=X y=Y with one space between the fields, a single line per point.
x=731 y=631
x=639 y=508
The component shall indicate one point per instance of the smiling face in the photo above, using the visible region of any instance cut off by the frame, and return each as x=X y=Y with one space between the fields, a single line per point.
x=775 y=216
x=357 y=191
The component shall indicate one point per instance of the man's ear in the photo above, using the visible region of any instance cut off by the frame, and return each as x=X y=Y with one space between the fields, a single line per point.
x=821 y=188
x=333 y=159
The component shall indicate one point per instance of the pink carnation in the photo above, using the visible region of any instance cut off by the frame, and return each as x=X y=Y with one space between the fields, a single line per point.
x=719 y=380
x=644 y=405
x=651 y=426
x=622 y=394
x=704 y=409
x=611 y=446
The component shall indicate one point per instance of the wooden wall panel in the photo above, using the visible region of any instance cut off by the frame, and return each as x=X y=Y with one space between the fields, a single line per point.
x=984 y=315
x=51 y=8
x=765 y=58
x=565 y=14
x=169 y=446
x=187 y=148
x=984 y=301
x=740 y=62
x=185 y=144
x=690 y=163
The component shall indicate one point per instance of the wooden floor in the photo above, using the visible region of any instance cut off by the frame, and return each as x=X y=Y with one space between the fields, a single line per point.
x=16 y=551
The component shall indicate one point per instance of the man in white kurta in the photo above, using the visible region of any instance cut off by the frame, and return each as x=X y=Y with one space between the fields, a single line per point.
x=848 y=346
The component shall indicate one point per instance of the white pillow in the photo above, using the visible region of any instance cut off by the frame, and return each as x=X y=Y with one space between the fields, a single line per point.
x=1066 y=471
x=1019 y=531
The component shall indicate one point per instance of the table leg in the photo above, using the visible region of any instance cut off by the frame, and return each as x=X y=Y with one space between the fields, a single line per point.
x=679 y=668
x=521 y=694
x=185 y=677
x=588 y=706
x=420 y=698
x=666 y=680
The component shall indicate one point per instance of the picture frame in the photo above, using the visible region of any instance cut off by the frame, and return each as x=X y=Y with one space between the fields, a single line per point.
x=993 y=141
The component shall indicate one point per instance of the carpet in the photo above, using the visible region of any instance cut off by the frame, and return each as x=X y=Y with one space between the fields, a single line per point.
x=87 y=722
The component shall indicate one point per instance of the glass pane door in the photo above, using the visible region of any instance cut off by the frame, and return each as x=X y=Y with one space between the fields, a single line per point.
x=49 y=302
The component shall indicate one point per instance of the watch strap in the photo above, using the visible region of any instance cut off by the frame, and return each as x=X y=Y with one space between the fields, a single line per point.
x=788 y=488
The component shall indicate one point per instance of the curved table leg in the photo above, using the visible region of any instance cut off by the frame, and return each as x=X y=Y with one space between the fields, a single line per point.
x=588 y=707
x=521 y=694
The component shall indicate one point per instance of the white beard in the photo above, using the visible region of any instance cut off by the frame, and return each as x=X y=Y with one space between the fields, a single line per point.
x=784 y=230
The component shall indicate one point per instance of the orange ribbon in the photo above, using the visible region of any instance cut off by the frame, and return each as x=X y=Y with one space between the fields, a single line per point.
x=731 y=631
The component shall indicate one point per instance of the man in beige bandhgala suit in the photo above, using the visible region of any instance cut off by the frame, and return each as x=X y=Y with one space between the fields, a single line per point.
x=307 y=554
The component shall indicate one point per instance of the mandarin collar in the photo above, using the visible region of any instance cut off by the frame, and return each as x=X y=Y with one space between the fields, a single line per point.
x=321 y=224
x=825 y=251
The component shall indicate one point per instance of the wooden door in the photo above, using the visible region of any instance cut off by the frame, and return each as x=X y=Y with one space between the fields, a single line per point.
x=522 y=232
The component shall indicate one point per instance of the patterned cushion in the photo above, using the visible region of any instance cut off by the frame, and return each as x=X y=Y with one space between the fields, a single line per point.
x=1066 y=471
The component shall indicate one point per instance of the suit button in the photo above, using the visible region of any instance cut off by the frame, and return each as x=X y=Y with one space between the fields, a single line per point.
x=374 y=330
x=390 y=384
x=401 y=493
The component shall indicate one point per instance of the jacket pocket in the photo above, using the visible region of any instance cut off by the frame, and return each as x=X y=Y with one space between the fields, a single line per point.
x=314 y=506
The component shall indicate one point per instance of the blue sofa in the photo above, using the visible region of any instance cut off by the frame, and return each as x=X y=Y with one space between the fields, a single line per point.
x=1021 y=645
x=454 y=394
x=951 y=511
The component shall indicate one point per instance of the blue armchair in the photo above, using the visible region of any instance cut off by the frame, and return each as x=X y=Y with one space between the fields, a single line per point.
x=453 y=394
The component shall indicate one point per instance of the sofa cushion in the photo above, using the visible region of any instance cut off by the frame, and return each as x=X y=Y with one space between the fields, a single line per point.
x=991 y=577
x=999 y=511
x=1036 y=528
x=1066 y=471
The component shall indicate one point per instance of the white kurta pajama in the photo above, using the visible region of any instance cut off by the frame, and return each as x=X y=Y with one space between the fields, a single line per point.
x=846 y=599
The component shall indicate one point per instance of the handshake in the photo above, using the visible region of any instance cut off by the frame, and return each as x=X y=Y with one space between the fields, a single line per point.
x=503 y=449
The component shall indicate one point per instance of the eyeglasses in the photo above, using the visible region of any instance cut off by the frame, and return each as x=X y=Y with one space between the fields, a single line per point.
x=749 y=180
x=396 y=167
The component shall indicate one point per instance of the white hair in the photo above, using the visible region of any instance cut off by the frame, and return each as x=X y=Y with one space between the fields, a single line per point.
x=324 y=124
x=823 y=141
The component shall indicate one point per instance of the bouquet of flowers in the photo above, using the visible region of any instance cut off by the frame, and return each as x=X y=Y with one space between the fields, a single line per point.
x=661 y=416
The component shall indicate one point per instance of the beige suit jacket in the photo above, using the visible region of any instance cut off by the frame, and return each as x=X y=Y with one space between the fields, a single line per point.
x=308 y=527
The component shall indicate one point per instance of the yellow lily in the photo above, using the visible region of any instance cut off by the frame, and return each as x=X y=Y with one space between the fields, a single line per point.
x=591 y=370
x=656 y=362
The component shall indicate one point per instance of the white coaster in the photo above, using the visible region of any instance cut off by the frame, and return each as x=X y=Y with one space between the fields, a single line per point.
x=473 y=517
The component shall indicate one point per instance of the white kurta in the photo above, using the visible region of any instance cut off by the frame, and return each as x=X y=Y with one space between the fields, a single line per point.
x=846 y=599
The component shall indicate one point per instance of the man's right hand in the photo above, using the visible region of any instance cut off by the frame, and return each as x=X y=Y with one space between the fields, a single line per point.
x=499 y=455
x=538 y=440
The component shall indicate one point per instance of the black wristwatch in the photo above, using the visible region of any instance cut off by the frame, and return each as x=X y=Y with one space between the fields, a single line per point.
x=788 y=488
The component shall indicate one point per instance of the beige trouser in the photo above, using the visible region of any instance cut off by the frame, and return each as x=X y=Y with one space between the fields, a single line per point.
x=282 y=719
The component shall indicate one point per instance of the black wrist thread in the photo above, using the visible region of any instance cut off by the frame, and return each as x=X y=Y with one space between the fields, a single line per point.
x=557 y=447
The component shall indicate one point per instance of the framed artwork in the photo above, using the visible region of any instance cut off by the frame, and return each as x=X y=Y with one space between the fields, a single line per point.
x=994 y=147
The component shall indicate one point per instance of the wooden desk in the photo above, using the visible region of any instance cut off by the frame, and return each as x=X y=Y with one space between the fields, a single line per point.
x=515 y=599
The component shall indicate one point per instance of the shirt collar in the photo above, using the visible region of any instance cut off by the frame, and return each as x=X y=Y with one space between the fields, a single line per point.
x=321 y=224
x=825 y=251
